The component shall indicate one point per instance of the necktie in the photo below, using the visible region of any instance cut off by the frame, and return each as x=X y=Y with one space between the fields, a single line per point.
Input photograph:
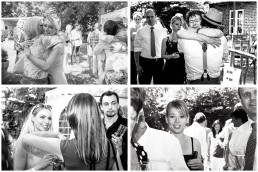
x=153 y=50
x=141 y=153
x=204 y=49
x=250 y=149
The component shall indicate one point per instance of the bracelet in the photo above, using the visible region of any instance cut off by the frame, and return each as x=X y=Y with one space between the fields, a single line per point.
x=198 y=30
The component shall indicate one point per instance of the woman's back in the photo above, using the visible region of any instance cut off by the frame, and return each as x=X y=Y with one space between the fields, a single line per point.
x=73 y=162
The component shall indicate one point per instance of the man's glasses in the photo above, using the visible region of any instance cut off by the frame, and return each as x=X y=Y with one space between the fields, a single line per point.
x=41 y=105
x=194 y=21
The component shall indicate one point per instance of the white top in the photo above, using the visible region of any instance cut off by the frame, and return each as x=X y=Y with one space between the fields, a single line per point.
x=239 y=138
x=142 y=41
x=199 y=132
x=193 y=55
x=163 y=149
x=76 y=37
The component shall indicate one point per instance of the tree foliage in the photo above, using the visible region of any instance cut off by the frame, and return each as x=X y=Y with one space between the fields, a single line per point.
x=165 y=10
x=17 y=104
x=85 y=13
x=215 y=103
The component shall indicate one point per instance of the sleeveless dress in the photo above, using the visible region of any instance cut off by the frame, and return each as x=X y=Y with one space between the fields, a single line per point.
x=73 y=162
x=174 y=69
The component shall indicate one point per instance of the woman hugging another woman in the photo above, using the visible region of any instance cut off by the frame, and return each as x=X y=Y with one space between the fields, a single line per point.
x=45 y=53
x=114 y=48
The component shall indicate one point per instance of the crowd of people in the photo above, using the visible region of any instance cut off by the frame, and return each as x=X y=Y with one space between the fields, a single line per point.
x=193 y=53
x=43 y=50
x=194 y=147
x=98 y=138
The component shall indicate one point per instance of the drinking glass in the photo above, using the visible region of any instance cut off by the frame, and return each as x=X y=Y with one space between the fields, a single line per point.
x=144 y=166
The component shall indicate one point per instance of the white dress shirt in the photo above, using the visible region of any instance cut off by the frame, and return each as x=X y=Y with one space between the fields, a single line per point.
x=163 y=149
x=193 y=55
x=142 y=41
x=239 y=139
x=199 y=132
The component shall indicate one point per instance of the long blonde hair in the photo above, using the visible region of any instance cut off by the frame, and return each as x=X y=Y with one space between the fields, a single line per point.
x=28 y=125
x=32 y=27
x=84 y=118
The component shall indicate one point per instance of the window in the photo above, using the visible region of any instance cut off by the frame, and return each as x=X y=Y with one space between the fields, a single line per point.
x=64 y=126
x=236 y=22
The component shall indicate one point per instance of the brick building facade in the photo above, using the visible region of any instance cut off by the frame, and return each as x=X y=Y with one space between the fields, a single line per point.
x=250 y=14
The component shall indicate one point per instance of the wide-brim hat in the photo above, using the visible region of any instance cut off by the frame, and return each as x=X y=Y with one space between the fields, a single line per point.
x=213 y=16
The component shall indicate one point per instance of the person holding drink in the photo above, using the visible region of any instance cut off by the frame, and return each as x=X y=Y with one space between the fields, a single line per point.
x=115 y=123
x=177 y=116
x=174 y=68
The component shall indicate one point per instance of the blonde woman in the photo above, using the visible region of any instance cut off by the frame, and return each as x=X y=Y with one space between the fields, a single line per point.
x=177 y=117
x=53 y=64
x=90 y=149
x=27 y=157
x=33 y=29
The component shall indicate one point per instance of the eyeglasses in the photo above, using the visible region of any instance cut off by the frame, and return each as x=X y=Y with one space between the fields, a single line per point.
x=41 y=105
x=194 y=21
x=137 y=19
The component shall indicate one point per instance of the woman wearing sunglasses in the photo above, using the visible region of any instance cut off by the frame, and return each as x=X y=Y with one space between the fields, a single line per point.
x=27 y=157
x=90 y=149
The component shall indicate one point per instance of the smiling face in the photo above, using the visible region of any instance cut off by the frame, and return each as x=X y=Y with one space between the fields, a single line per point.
x=110 y=105
x=248 y=99
x=195 y=21
x=176 y=120
x=49 y=28
x=42 y=120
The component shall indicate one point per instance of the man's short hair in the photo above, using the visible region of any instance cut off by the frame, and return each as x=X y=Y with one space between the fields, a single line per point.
x=137 y=98
x=194 y=13
x=240 y=114
x=149 y=9
x=109 y=93
x=199 y=117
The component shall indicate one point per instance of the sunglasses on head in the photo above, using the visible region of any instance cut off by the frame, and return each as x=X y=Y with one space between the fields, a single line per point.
x=41 y=105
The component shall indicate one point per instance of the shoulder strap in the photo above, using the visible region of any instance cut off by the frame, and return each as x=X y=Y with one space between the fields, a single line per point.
x=192 y=145
x=205 y=66
x=114 y=153
x=108 y=157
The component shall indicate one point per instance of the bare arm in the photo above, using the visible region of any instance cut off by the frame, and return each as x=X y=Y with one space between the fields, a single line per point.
x=20 y=156
x=46 y=144
x=46 y=64
x=99 y=48
x=209 y=145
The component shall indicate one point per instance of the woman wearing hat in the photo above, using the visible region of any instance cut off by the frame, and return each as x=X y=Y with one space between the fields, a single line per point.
x=55 y=51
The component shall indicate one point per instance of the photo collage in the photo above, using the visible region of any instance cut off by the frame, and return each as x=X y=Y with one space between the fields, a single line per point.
x=129 y=85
